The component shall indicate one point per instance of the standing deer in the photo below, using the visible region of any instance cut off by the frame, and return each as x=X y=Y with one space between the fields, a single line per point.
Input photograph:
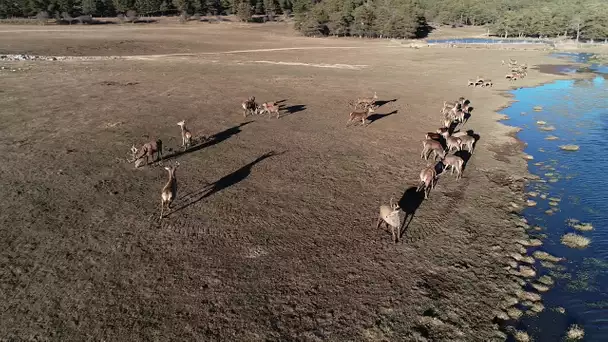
x=270 y=108
x=468 y=142
x=366 y=101
x=249 y=106
x=392 y=216
x=169 y=192
x=358 y=115
x=433 y=146
x=428 y=176
x=147 y=150
x=186 y=135
x=456 y=163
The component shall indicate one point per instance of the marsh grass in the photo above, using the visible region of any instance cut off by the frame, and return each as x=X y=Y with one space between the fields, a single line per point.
x=569 y=147
x=575 y=332
x=573 y=240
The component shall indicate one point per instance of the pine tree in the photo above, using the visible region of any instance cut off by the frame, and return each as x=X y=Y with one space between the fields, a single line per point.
x=122 y=6
x=89 y=7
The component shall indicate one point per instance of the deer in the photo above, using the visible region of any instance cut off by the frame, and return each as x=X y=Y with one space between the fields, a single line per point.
x=488 y=83
x=358 y=115
x=455 y=163
x=169 y=192
x=471 y=83
x=147 y=150
x=468 y=142
x=452 y=142
x=186 y=135
x=428 y=176
x=249 y=106
x=270 y=108
x=433 y=146
x=432 y=136
x=366 y=101
x=393 y=216
x=511 y=77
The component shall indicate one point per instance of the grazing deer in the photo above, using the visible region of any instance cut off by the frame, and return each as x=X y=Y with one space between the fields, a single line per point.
x=392 y=216
x=366 y=101
x=147 y=150
x=249 y=106
x=455 y=163
x=468 y=142
x=511 y=77
x=433 y=146
x=471 y=83
x=270 y=108
x=488 y=83
x=169 y=192
x=428 y=176
x=186 y=135
x=358 y=115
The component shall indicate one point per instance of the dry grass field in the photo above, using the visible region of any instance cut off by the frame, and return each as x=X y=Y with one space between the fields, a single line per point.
x=272 y=236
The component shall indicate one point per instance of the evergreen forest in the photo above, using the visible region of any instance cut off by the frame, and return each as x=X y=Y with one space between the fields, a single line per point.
x=576 y=19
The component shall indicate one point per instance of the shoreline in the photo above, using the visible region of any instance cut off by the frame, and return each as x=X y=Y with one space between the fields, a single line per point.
x=544 y=70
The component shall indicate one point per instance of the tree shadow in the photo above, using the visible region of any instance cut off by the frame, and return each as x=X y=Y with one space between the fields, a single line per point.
x=224 y=182
x=375 y=117
x=383 y=102
x=409 y=203
x=210 y=141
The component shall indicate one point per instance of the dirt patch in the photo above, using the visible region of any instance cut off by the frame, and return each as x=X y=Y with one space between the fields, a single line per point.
x=259 y=246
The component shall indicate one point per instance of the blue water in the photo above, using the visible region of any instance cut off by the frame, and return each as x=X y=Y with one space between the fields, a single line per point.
x=487 y=41
x=578 y=109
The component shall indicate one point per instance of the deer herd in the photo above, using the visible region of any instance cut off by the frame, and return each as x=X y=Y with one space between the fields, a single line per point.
x=445 y=145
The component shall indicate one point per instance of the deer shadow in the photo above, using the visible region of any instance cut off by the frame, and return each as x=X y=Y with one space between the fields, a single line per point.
x=381 y=103
x=292 y=109
x=465 y=155
x=223 y=183
x=409 y=203
x=210 y=141
x=375 y=117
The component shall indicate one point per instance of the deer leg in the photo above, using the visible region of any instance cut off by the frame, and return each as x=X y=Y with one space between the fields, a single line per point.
x=379 y=222
x=162 y=206
x=395 y=236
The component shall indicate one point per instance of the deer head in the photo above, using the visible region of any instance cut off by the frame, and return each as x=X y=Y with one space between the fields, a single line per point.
x=181 y=123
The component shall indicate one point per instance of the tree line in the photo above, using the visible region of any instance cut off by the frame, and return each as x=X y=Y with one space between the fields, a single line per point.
x=585 y=19
x=579 y=19
x=109 y=8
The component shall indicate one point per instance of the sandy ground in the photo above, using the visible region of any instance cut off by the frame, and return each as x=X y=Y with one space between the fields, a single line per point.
x=272 y=236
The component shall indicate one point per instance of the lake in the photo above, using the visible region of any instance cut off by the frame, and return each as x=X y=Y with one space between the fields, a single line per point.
x=572 y=185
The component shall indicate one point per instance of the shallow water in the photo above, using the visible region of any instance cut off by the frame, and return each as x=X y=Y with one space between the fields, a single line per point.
x=487 y=41
x=578 y=110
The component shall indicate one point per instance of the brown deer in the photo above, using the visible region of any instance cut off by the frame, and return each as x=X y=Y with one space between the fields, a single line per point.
x=186 y=135
x=270 y=108
x=511 y=77
x=360 y=115
x=468 y=142
x=249 y=106
x=366 y=101
x=147 y=150
x=432 y=146
x=428 y=177
x=169 y=192
x=455 y=163
x=392 y=216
